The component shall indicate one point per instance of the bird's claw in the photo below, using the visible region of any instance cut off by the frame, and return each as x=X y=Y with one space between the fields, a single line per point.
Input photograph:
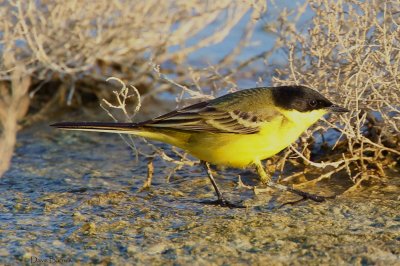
x=223 y=203
x=307 y=196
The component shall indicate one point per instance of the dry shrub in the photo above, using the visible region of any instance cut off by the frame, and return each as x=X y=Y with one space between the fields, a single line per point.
x=14 y=103
x=86 y=41
x=350 y=52
x=69 y=47
x=15 y=80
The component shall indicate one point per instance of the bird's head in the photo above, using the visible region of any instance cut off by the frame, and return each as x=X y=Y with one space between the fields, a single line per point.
x=301 y=104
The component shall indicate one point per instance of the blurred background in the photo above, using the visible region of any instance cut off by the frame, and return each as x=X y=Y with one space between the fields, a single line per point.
x=56 y=61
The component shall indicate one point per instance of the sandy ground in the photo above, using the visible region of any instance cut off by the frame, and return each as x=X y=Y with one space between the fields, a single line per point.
x=74 y=198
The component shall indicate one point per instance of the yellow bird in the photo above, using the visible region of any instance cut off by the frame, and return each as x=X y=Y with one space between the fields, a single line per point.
x=237 y=130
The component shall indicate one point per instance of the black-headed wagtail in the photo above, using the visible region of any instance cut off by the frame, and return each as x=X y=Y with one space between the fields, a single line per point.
x=237 y=130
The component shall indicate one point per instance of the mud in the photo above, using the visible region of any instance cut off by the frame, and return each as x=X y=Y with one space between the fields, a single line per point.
x=73 y=197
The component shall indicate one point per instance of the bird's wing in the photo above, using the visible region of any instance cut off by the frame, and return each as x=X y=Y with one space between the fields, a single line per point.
x=210 y=116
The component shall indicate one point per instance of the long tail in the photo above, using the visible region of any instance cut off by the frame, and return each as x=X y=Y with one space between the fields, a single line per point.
x=127 y=128
x=168 y=136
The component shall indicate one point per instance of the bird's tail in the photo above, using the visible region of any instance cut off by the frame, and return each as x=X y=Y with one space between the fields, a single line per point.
x=169 y=136
x=125 y=128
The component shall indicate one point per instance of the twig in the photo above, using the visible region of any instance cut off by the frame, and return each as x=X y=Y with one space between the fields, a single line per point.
x=150 y=172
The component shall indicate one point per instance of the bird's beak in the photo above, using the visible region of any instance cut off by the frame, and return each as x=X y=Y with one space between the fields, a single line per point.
x=338 y=109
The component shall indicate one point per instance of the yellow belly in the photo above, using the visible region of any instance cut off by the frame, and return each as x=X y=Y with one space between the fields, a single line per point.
x=238 y=150
x=235 y=150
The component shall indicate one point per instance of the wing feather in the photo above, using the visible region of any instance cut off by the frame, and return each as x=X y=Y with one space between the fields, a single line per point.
x=212 y=116
x=208 y=119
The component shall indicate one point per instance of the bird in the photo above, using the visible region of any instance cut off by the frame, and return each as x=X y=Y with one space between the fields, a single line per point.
x=239 y=129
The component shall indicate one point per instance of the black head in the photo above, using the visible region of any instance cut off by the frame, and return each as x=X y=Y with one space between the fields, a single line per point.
x=302 y=99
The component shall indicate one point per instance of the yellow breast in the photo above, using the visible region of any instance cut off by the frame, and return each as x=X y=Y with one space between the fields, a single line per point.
x=240 y=150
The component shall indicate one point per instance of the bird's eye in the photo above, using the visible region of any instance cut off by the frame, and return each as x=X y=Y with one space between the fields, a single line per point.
x=313 y=103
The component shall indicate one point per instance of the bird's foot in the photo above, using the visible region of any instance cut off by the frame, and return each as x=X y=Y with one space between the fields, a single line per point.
x=303 y=194
x=223 y=203
x=307 y=196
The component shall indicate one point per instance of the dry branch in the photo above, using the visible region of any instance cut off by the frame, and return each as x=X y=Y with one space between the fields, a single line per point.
x=350 y=53
x=81 y=43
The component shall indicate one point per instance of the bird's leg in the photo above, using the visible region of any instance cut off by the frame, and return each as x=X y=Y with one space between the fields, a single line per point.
x=210 y=175
x=221 y=201
x=266 y=179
